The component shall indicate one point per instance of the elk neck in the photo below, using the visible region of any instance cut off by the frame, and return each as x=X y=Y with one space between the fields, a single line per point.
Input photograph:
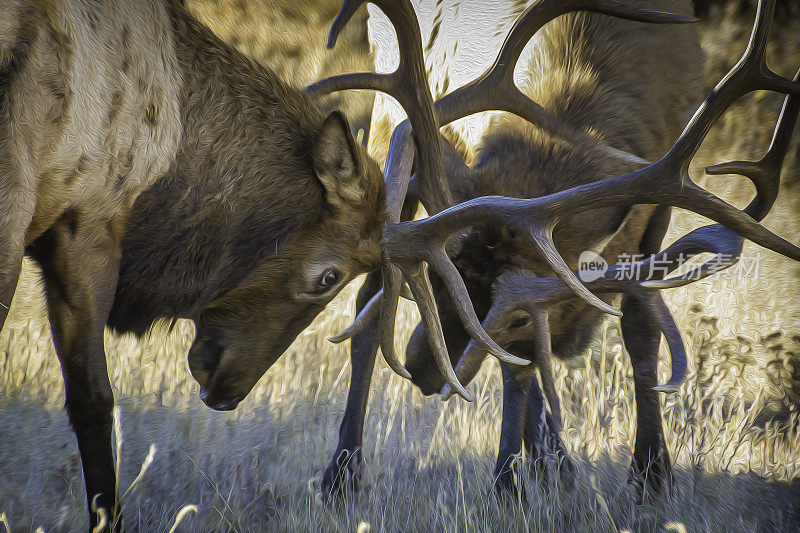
x=240 y=188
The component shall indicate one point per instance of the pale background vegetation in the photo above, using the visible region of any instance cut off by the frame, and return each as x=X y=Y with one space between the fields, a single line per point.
x=733 y=429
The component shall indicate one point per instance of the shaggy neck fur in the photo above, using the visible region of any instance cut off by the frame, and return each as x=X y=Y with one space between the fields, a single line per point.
x=241 y=186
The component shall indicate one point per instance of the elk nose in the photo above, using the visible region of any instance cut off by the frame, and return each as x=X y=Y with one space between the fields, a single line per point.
x=228 y=405
x=223 y=405
x=204 y=357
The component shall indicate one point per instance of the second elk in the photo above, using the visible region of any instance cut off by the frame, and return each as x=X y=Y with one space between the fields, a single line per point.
x=605 y=96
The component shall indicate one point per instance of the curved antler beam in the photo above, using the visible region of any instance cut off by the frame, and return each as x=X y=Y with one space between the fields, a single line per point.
x=495 y=90
x=765 y=175
x=408 y=84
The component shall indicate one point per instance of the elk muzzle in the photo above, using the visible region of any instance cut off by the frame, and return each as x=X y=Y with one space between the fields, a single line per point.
x=232 y=350
x=204 y=359
x=421 y=364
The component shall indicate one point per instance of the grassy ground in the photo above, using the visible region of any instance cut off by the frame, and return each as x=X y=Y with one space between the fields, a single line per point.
x=733 y=429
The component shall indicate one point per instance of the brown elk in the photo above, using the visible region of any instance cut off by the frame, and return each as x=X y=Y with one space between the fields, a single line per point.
x=257 y=209
x=521 y=304
x=494 y=233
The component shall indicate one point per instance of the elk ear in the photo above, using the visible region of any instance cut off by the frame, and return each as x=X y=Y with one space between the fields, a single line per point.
x=336 y=162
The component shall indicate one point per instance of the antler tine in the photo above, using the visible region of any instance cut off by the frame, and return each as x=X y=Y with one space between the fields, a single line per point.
x=726 y=244
x=765 y=175
x=361 y=80
x=375 y=307
x=392 y=280
x=346 y=12
x=369 y=312
x=666 y=323
x=473 y=355
x=420 y=286
x=542 y=240
x=495 y=89
x=397 y=170
x=380 y=306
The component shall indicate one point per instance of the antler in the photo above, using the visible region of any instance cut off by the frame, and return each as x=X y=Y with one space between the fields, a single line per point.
x=409 y=245
x=495 y=89
x=409 y=86
x=512 y=291
x=765 y=173
x=522 y=290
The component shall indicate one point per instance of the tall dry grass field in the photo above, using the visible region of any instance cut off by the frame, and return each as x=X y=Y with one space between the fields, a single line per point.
x=733 y=429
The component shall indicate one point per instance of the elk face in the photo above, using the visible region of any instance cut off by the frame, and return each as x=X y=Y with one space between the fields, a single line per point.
x=243 y=332
x=509 y=321
x=420 y=361
x=512 y=328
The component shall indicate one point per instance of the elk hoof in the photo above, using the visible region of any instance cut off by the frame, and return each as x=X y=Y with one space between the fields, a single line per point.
x=342 y=477
x=652 y=480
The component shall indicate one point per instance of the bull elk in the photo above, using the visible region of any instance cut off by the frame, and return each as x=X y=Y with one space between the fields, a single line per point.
x=153 y=171
x=521 y=304
x=610 y=89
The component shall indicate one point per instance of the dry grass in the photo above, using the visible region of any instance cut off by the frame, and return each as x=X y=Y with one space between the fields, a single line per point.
x=733 y=429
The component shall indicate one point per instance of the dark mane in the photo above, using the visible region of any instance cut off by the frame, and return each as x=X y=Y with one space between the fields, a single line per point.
x=242 y=184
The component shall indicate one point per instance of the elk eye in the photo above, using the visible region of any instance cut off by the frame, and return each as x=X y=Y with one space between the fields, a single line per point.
x=519 y=322
x=329 y=278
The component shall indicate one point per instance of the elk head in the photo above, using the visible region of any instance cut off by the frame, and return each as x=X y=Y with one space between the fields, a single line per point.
x=241 y=333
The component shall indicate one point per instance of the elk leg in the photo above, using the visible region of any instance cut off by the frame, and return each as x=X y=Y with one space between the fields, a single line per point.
x=343 y=472
x=515 y=389
x=80 y=262
x=16 y=212
x=10 y=269
x=651 y=464
x=541 y=435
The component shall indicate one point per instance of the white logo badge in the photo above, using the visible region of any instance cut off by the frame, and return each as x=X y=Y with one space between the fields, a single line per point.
x=591 y=266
